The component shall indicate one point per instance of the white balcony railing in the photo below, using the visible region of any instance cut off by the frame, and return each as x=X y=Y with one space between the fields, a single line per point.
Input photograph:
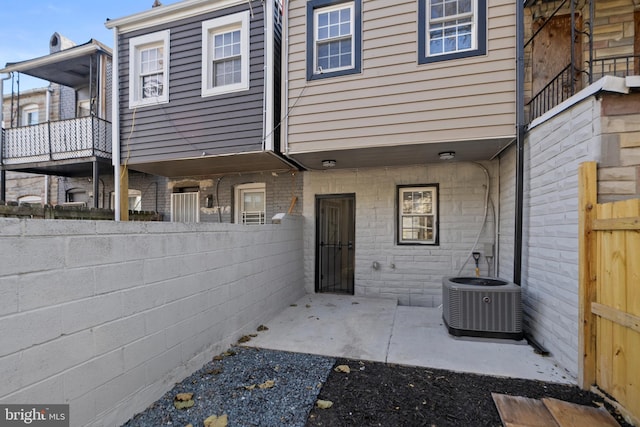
x=62 y=140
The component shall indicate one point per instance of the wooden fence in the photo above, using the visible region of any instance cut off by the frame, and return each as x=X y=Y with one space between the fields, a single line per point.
x=609 y=295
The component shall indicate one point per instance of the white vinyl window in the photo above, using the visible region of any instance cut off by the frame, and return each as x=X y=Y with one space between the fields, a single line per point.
x=149 y=69
x=451 y=26
x=334 y=38
x=225 y=54
x=134 y=200
x=185 y=207
x=418 y=215
x=250 y=203
x=30 y=115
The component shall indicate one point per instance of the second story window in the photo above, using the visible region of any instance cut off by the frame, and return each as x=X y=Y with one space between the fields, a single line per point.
x=333 y=38
x=30 y=115
x=149 y=69
x=451 y=29
x=225 y=54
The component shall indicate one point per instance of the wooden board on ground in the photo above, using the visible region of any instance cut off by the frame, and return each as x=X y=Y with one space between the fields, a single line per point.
x=571 y=415
x=518 y=411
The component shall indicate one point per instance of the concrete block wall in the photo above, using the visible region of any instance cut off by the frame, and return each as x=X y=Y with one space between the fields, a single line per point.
x=108 y=316
x=416 y=275
x=553 y=153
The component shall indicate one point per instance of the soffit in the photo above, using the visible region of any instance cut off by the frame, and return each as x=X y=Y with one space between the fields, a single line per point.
x=215 y=165
x=404 y=155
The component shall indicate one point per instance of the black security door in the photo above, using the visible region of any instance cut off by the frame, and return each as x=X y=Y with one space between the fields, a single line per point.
x=335 y=243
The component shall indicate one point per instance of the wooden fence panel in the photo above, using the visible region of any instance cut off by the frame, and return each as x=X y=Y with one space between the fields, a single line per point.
x=610 y=296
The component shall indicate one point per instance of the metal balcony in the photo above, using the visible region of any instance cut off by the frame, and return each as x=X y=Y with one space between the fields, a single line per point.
x=73 y=139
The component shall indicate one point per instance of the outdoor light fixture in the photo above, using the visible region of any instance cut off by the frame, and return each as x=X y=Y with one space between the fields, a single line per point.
x=328 y=163
x=447 y=155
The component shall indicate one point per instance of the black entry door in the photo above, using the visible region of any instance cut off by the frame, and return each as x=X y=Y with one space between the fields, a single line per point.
x=335 y=243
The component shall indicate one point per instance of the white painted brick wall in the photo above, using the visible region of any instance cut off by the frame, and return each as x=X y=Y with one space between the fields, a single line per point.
x=553 y=153
x=417 y=276
x=108 y=316
x=505 y=247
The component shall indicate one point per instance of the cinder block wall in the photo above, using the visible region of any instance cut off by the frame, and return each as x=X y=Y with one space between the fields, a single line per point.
x=412 y=274
x=108 y=316
x=553 y=152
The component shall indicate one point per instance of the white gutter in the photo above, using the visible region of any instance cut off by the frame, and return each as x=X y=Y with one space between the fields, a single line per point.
x=115 y=124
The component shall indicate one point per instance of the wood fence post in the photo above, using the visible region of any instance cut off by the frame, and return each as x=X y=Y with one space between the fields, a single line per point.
x=587 y=280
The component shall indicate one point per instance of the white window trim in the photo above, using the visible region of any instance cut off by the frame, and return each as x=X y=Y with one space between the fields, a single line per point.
x=434 y=213
x=135 y=89
x=239 y=190
x=28 y=109
x=316 y=13
x=474 y=28
x=224 y=24
x=132 y=194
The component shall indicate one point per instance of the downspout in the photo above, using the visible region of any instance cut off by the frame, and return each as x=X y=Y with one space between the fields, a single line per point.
x=47 y=115
x=520 y=129
x=267 y=65
x=115 y=124
x=284 y=61
x=3 y=173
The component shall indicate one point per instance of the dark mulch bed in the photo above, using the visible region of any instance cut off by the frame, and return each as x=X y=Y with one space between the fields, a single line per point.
x=377 y=394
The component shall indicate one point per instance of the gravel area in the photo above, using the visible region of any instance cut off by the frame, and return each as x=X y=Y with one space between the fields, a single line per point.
x=232 y=386
x=258 y=387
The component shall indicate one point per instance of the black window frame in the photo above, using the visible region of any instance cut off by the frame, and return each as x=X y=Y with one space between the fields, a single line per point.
x=398 y=210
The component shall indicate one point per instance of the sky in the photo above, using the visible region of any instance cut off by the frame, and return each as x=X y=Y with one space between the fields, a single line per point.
x=27 y=25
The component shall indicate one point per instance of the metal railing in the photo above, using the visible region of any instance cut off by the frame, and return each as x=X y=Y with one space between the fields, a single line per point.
x=619 y=66
x=61 y=140
x=567 y=83
x=560 y=88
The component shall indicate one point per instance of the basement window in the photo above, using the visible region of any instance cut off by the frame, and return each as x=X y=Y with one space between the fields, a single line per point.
x=418 y=215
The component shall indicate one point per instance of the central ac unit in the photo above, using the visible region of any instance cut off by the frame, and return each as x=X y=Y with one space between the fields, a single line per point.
x=482 y=307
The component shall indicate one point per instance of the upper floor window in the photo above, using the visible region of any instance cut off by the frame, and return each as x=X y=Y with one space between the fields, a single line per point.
x=149 y=69
x=225 y=54
x=451 y=29
x=333 y=38
x=418 y=214
x=30 y=115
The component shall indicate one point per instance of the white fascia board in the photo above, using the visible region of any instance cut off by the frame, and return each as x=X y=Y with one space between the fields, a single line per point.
x=164 y=14
x=605 y=84
x=53 y=58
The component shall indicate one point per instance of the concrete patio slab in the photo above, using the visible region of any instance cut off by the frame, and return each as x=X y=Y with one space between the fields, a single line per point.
x=332 y=325
x=380 y=330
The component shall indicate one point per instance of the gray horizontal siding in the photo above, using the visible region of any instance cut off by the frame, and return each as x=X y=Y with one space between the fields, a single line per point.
x=189 y=125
